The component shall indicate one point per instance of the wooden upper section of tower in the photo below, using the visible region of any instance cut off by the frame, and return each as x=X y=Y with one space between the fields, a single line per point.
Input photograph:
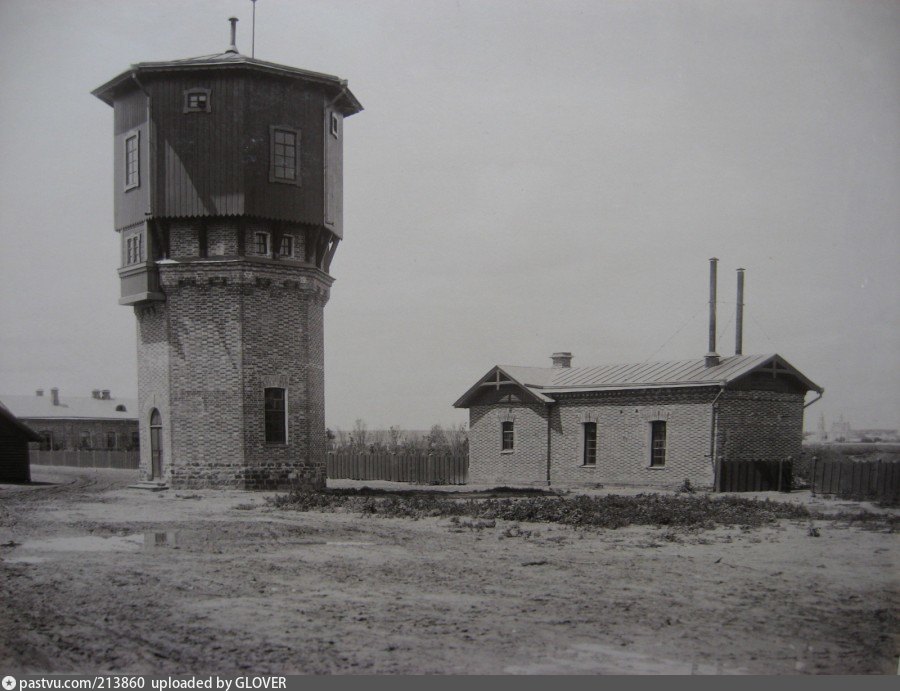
x=228 y=135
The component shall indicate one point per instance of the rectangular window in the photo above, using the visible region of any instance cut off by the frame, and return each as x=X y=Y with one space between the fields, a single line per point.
x=262 y=243
x=334 y=125
x=590 y=443
x=46 y=440
x=276 y=416
x=507 y=439
x=132 y=161
x=110 y=440
x=85 y=441
x=135 y=440
x=134 y=249
x=287 y=246
x=657 y=443
x=283 y=157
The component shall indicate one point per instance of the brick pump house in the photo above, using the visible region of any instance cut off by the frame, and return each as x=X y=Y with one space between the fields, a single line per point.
x=650 y=424
x=228 y=206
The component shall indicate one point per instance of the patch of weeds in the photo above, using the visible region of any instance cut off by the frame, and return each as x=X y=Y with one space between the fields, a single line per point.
x=686 y=487
x=246 y=507
x=516 y=531
x=812 y=531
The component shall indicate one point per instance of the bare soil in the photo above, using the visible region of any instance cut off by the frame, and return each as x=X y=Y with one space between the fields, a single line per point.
x=97 y=577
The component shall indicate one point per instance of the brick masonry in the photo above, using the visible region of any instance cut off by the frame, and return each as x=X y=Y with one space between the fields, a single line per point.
x=226 y=331
x=749 y=425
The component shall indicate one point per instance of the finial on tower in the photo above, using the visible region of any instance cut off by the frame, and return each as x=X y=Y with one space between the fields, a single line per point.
x=233 y=47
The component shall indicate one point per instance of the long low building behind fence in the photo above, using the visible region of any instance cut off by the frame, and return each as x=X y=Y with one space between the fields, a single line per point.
x=861 y=480
x=85 y=458
x=418 y=469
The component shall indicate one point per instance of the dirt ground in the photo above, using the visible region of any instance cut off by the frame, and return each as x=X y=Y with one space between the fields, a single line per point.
x=97 y=577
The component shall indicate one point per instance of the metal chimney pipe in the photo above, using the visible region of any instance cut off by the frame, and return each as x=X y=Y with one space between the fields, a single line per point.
x=712 y=357
x=739 y=318
x=233 y=47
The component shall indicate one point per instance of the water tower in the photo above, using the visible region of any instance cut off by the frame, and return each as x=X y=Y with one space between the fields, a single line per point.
x=228 y=206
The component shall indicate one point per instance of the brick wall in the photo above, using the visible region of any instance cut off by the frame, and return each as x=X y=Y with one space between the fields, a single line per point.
x=760 y=425
x=527 y=463
x=153 y=381
x=67 y=433
x=226 y=332
x=623 y=438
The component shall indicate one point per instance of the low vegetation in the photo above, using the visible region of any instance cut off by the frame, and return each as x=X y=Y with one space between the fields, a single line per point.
x=612 y=511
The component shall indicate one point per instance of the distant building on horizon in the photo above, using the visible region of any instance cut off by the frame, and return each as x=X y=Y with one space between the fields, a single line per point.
x=95 y=422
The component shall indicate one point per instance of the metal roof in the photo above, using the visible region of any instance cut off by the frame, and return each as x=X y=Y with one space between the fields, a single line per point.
x=88 y=408
x=228 y=60
x=546 y=381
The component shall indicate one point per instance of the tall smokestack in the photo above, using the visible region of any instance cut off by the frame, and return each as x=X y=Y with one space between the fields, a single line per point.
x=712 y=357
x=739 y=318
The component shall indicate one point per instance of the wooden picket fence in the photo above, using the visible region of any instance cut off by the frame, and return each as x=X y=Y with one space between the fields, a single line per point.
x=99 y=458
x=421 y=469
x=861 y=480
x=753 y=476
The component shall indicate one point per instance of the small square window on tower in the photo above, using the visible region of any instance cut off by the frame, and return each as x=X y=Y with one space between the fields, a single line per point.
x=196 y=101
x=284 y=151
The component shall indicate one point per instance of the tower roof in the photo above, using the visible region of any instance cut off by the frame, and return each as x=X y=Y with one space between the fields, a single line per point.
x=232 y=60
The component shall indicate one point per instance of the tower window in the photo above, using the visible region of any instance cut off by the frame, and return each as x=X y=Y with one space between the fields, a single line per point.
x=132 y=160
x=657 y=444
x=285 y=145
x=590 y=443
x=276 y=416
x=196 y=101
x=334 y=125
x=262 y=243
x=287 y=246
x=507 y=437
x=134 y=249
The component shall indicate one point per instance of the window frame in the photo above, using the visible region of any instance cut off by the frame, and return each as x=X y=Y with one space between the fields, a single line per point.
x=658 y=432
x=134 y=248
x=290 y=241
x=85 y=440
x=270 y=421
x=262 y=235
x=135 y=181
x=589 y=444
x=507 y=427
x=188 y=93
x=111 y=437
x=334 y=125
x=274 y=130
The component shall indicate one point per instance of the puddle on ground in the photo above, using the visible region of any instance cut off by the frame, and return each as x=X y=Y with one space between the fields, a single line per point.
x=36 y=551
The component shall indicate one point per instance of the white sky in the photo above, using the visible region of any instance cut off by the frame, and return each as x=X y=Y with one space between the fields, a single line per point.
x=527 y=177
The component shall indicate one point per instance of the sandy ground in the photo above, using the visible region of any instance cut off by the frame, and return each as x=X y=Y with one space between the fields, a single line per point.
x=97 y=577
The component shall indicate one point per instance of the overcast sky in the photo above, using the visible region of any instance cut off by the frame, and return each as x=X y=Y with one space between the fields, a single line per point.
x=526 y=177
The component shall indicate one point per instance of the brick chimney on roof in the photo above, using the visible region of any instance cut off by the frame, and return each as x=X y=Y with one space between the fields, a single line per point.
x=95 y=393
x=562 y=359
x=39 y=392
x=54 y=396
x=105 y=394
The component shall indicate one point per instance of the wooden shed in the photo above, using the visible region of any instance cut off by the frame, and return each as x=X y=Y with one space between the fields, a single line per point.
x=14 y=438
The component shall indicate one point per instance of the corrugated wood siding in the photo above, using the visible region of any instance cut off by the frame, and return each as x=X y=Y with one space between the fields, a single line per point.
x=334 y=176
x=130 y=114
x=200 y=168
x=290 y=104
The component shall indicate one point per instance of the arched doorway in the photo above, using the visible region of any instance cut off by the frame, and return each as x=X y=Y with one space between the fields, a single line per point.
x=156 y=452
